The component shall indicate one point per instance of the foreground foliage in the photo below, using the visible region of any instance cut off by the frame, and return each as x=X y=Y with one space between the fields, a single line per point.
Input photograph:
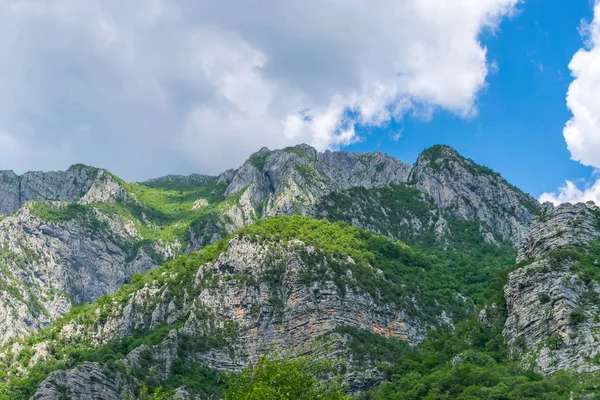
x=275 y=378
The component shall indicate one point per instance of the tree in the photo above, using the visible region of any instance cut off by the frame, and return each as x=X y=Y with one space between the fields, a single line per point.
x=275 y=378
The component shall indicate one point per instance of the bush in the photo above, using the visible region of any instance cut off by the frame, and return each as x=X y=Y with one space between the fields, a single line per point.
x=275 y=378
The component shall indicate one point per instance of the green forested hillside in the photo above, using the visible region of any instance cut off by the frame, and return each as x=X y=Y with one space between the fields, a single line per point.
x=415 y=279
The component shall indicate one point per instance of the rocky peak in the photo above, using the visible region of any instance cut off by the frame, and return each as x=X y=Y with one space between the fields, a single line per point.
x=290 y=180
x=474 y=192
x=70 y=185
x=566 y=225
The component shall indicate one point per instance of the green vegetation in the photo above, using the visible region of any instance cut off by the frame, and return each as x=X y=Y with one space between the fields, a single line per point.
x=404 y=213
x=274 y=378
x=258 y=160
x=370 y=348
x=177 y=276
x=440 y=155
x=178 y=183
x=300 y=151
x=60 y=213
x=471 y=362
x=423 y=282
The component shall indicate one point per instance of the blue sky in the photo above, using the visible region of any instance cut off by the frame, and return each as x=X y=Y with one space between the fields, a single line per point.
x=146 y=88
x=521 y=113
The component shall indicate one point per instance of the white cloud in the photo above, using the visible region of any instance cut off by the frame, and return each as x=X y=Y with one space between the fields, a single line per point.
x=571 y=193
x=582 y=131
x=149 y=87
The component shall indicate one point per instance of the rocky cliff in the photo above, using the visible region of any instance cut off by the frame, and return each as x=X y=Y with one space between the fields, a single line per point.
x=84 y=235
x=297 y=180
x=552 y=301
x=263 y=290
x=70 y=185
x=473 y=192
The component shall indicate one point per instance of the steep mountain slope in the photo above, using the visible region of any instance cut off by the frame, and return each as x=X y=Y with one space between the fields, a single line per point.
x=70 y=185
x=97 y=231
x=553 y=318
x=286 y=283
x=297 y=180
x=55 y=254
x=472 y=192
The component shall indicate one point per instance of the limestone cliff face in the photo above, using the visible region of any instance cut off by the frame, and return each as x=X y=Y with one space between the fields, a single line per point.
x=296 y=180
x=564 y=226
x=472 y=192
x=255 y=297
x=47 y=265
x=552 y=305
x=88 y=381
x=291 y=180
x=283 y=295
x=70 y=185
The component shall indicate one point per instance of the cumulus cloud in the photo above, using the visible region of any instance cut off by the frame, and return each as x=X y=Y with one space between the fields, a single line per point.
x=147 y=87
x=582 y=131
x=571 y=193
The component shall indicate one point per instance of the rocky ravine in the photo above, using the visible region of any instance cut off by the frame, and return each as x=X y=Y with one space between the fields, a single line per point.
x=553 y=317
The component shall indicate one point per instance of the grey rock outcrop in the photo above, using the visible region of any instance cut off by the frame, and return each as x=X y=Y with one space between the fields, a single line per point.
x=551 y=320
x=46 y=265
x=552 y=310
x=88 y=381
x=472 y=192
x=563 y=226
x=291 y=180
x=70 y=185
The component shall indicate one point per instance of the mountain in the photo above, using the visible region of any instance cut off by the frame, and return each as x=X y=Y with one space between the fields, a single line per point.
x=553 y=297
x=294 y=180
x=404 y=277
x=284 y=283
x=85 y=232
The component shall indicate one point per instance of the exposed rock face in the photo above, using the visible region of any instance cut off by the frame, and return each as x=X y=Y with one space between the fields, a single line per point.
x=70 y=185
x=567 y=225
x=294 y=180
x=255 y=297
x=263 y=289
x=473 y=192
x=545 y=303
x=46 y=264
x=291 y=180
x=552 y=311
x=88 y=381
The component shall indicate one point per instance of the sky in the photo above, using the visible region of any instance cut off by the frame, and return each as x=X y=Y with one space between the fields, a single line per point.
x=147 y=88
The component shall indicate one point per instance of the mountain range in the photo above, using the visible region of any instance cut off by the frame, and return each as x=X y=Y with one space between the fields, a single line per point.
x=435 y=280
